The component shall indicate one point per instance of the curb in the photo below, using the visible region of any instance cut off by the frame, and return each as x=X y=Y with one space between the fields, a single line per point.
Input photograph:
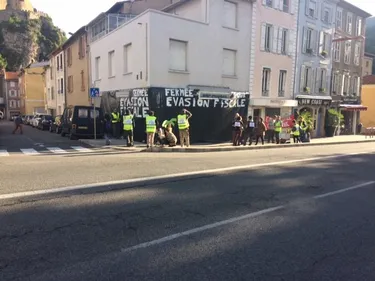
x=239 y=148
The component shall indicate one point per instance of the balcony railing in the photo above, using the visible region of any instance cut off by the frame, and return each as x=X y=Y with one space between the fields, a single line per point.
x=107 y=24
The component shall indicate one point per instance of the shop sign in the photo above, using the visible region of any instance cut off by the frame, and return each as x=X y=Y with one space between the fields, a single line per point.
x=350 y=100
x=314 y=102
x=190 y=98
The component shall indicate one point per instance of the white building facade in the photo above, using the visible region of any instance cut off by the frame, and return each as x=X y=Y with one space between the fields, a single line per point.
x=273 y=57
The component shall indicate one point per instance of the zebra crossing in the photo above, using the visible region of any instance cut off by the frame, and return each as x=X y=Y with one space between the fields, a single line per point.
x=45 y=150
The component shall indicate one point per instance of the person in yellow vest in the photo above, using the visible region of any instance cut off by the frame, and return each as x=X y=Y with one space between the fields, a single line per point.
x=278 y=128
x=183 y=127
x=128 y=124
x=115 y=119
x=296 y=132
x=151 y=125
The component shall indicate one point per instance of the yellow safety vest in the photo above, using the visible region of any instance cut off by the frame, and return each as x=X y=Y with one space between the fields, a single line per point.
x=278 y=126
x=127 y=120
x=150 y=124
x=183 y=122
x=115 y=117
x=296 y=132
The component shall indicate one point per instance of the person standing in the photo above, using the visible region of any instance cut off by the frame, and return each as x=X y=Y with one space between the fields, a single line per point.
x=278 y=128
x=249 y=131
x=18 y=124
x=183 y=127
x=238 y=128
x=151 y=125
x=260 y=130
x=296 y=132
x=128 y=125
x=115 y=117
x=271 y=131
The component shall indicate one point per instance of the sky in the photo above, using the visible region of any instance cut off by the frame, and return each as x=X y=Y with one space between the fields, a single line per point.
x=70 y=15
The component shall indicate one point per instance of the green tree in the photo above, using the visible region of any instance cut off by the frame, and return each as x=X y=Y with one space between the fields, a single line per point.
x=3 y=62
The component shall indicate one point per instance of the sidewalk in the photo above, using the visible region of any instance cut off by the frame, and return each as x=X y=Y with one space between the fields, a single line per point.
x=141 y=147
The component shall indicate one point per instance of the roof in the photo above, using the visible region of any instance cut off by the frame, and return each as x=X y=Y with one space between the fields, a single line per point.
x=11 y=75
x=55 y=52
x=38 y=64
x=354 y=9
x=114 y=9
x=74 y=37
x=368 y=80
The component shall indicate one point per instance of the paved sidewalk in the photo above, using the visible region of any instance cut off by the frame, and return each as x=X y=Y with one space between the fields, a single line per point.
x=141 y=147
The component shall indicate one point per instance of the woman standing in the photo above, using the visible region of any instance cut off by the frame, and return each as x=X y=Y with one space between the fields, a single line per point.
x=260 y=130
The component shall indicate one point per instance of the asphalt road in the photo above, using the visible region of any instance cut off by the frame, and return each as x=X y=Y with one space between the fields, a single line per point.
x=201 y=228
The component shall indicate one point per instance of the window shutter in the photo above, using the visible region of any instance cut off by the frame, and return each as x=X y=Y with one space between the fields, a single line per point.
x=304 y=39
x=292 y=6
x=358 y=90
x=290 y=43
x=322 y=13
x=302 y=78
x=274 y=39
x=314 y=41
x=321 y=42
x=316 y=12
x=328 y=44
x=312 y=80
x=276 y=4
x=263 y=37
x=342 y=84
x=279 y=40
x=307 y=5
x=325 y=80
x=281 y=5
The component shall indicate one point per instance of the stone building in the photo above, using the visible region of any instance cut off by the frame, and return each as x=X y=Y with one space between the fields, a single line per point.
x=23 y=5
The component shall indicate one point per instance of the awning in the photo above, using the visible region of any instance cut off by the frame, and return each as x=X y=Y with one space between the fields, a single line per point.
x=353 y=107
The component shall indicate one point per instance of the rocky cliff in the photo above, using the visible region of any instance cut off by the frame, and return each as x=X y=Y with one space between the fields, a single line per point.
x=25 y=38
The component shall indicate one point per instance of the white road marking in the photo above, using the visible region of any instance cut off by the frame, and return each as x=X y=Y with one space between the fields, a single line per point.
x=232 y=220
x=165 y=177
x=56 y=150
x=81 y=148
x=4 y=152
x=29 y=151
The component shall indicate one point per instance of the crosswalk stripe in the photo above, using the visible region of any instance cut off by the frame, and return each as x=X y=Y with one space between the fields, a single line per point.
x=81 y=149
x=56 y=150
x=4 y=152
x=29 y=151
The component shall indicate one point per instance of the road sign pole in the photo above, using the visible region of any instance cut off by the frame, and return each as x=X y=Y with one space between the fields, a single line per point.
x=94 y=93
x=94 y=119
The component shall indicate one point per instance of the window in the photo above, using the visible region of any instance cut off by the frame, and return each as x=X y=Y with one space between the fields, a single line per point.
x=306 y=79
x=266 y=40
x=97 y=68
x=349 y=19
x=335 y=83
x=324 y=44
x=61 y=85
x=269 y=3
x=18 y=103
x=83 y=87
x=94 y=113
x=357 y=52
x=367 y=63
x=69 y=54
x=356 y=86
x=311 y=8
x=230 y=14
x=284 y=41
x=52 y=93
x=282 y=82
x=81 y=47
x=229 y=62
x=348 y=49
x=322 y=80
x=285 y=6
x=50 y=73
x=326 y=15
x=12 y=93
x=336 y=51
x=346 y=84
x=338 y=18
x=83 y=113
x=12 y=104
x=126 y=61
x=309 y=40
x=61 y=62
x=57 y=63
x=111 y=64
x=266 y=79
x=359 y=27
x=12 y=84
x=177 y=55
x=70 y=84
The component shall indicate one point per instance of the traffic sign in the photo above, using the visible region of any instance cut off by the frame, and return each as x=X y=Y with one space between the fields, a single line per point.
x=94 y=92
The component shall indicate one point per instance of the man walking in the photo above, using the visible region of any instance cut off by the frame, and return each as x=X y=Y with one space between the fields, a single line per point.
x=18 y=124
x=183 y=127
x=128 y=123
x=278 y=128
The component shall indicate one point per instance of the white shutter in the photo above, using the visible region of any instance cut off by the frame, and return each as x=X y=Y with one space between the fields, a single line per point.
x=325 y=80
x=307 y=6
x=279 y=39
x=302 y=78
x=328 y=44
x=263 y=37
x=292 y=6
x=322 y=11
x=291 y=41
x=314 y=44
x=316 y=12
x=312 y=80
x=276 y=4
x=321 y=42
x=304 y=39
x=274 y=39
x=358 y=90
x=342 y=84
x=281 y=4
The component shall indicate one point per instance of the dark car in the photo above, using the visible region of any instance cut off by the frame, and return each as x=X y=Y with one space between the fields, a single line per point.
x=55 y=126
x=45 y=122
x=78 y=121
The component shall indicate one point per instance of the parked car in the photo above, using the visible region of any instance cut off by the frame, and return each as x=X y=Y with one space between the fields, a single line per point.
x=45 y=122
x=78 y=121
x=28 y=119
x=55 y=126
x=36 y=119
